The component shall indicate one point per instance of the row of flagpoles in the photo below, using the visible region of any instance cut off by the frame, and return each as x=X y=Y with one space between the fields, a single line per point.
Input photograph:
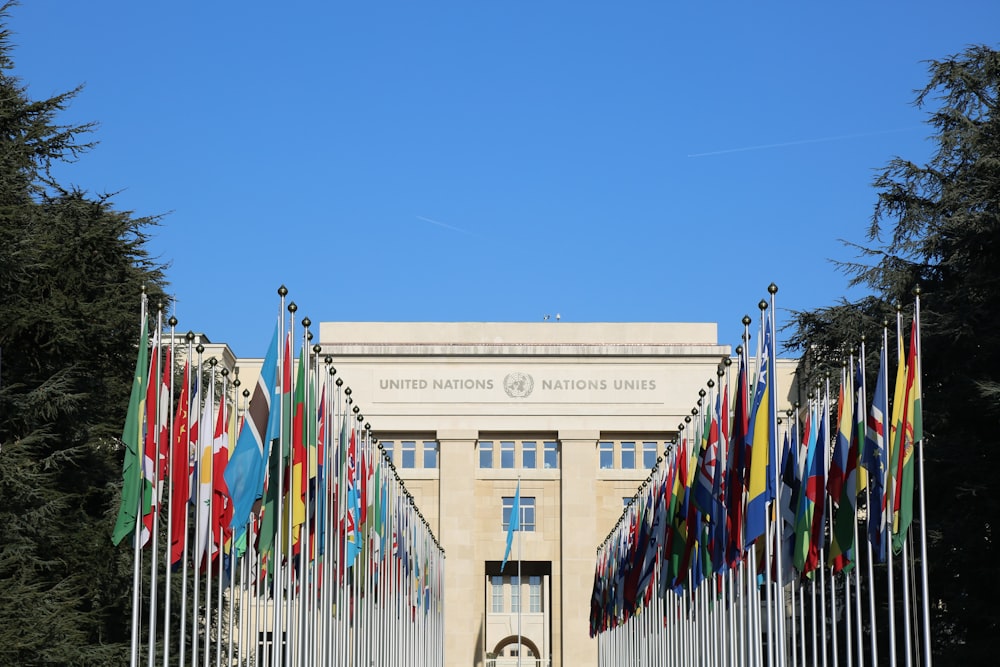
x=760 y=541
x=289 y=539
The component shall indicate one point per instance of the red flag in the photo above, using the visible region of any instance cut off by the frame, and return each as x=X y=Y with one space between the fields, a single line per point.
x=180 y=473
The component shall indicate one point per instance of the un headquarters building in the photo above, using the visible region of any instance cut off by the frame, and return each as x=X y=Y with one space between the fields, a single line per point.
x=579 y=412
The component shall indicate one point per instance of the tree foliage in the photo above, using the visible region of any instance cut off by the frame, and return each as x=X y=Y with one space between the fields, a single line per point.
x=71 y=271
x=936 y=228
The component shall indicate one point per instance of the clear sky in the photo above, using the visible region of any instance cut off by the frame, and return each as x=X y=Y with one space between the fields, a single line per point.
x=494 y=161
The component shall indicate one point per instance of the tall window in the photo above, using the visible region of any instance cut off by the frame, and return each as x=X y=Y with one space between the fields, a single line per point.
x=628 y=455
x=497 y=585
x=507 y=454
x=527 y=513
x=485 y=454
x=649 y=454
x=607 y=454
x=387 y=446
x=534 y=595
x=551 y=455
x=515 y=595
x=408 y=450
x=430 y=454
x=529 y=454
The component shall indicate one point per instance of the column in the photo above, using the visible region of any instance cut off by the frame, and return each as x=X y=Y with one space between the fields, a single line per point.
x=464 y=575
x=578 y=532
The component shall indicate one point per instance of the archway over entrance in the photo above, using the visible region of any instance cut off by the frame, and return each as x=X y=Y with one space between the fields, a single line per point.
x=512 y=639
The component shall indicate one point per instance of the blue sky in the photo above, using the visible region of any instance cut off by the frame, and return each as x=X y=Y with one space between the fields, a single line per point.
x=474 y=161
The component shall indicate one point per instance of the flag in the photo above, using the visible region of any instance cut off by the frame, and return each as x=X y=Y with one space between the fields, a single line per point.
x=911 y=432
x=874 y=460
x=788 y=497
x=896 y=437
x=279 y=436
x=131 y=437
x=244 y=474
x=203 y=491
x=180 y=471
x=163 y=419
x=352 y=512
x=762 y=444
x=707 y=462
x=296 y=494
x=806 y=505
x=513 y=524
x=151 y=446
x=736 y=469
x=842 y=541
x=222 y=508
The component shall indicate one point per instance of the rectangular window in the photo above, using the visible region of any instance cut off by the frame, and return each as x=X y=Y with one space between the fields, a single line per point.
x=628 y=455
x=408 y=452
x=507 y=454
x=529 y=454
x=607 y=454
x=527 y=513
x=387 y=446
x=648 y=455
x=485 y=454
x=551 y=455
x=497 y=584
x=534 y=595
x=515 y=595
x=430 y=454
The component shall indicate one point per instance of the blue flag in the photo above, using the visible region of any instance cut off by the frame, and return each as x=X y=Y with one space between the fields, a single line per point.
x=245 y=472
x=873 y=460
x=513 y=524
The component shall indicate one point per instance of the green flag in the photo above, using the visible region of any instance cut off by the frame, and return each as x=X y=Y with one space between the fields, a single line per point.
x=132 y=439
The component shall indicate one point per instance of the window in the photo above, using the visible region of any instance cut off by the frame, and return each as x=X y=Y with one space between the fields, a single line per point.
x=515 y=595
x=649 y=454
x=430 y=454
x=506 y=453
x=551 y=455
x=527 y=513
x=485 y=454
x=607 y=455
x=529 y=451
x=626 y=500
x=628 y=455
x=387 y=446
x=497 y=583
x=534 y=595
x=408 y=452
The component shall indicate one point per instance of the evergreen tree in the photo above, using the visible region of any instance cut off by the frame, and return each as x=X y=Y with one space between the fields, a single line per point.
x=71 y=271
x=936 y=226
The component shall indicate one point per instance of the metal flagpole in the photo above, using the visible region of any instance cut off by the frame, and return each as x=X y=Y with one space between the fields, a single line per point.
x=520 y=604
x=170 y=507
x=206 y=531
x=195 y=399
x=200 y=349
x=154 y=376
x=136 y=532
x=926 y=597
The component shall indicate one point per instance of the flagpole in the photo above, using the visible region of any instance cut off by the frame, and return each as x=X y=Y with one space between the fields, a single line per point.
x=155 y=375
x=925 y=606
x=136 y=548
x=206 y=531
x=520 y=601
x=170 y=510
x=182 y=640
x=200 y=349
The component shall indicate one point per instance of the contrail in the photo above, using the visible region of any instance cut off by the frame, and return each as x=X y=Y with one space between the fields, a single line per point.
x=445 y=225
x=800 y=142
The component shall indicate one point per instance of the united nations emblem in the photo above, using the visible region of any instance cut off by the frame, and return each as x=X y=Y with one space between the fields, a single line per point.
x=518 y=385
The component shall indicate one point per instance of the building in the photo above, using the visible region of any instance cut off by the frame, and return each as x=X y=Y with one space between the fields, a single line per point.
x=578 y=412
